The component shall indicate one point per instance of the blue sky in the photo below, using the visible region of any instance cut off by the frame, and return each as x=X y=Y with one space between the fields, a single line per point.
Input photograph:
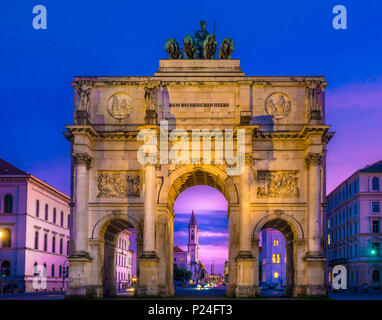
x=127 y=38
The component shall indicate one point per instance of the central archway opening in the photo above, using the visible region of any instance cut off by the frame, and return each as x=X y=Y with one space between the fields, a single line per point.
x=200 y=250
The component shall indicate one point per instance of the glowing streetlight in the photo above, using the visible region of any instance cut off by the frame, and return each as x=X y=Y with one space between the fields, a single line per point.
x=1 y=234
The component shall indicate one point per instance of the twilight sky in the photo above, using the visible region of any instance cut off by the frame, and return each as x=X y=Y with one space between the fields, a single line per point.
x=127 y=38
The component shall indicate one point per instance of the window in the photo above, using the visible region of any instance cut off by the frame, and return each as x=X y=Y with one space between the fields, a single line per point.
x=328 y=239
x=275 y=243
x=46 y=212
x=376 y=277
x=35 y=273
x=69 y=222
x=6 y=268
x=54 y=244
x=54 y=215
x=376 y=226
x=61 y=245
x=62 y=219
x=37 y=208
x=67 y=248
x=52 y=270
x=277 y=258
x=375 y=184
x=375 y=206
x=273 y=258
x=8 y=200
x=36 y=240
x=60 y=271
x=45 y=242
x=7 y=236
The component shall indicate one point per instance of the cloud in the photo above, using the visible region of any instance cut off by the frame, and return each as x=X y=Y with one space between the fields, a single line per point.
x=365 y=95
x=210 y=234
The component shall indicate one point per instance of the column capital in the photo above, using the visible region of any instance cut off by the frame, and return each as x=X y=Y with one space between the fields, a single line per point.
x=81 y=159
x=313 y=158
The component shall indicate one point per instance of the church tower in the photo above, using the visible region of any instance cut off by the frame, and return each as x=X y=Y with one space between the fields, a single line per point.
x=193 y=239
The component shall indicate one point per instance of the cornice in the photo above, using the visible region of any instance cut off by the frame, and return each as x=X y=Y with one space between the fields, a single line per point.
x=89 y=131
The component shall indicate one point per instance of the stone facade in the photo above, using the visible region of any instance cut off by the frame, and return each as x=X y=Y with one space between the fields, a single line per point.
x=282 y=185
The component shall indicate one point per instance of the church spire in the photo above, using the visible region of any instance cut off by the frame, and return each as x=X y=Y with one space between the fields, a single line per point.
x=193 y=220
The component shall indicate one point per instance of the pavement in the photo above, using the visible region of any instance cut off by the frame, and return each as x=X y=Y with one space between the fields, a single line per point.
x=193 y=294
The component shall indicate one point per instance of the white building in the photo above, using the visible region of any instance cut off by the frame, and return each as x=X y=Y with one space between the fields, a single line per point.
x=34 y=223
x=124 y=260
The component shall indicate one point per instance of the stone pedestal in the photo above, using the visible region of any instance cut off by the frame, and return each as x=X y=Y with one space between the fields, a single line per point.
x=245 y=286
x=315 y=275
x=148 y=281
x=79 y=269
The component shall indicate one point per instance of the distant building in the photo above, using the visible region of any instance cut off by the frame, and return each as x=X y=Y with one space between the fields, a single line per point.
x=189 y=260
x=182 y=259
x=273 y=257
x=34 y=223
x=352 y=228
x=193 y=246
x=124 y=260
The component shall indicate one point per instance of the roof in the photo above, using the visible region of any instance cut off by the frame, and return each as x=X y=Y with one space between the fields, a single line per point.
x=193 y=222
x=177 y=249
x=375 y=167
x=8 y=169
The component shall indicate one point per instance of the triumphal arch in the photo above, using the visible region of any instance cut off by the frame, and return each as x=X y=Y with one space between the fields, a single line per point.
x=126 y=133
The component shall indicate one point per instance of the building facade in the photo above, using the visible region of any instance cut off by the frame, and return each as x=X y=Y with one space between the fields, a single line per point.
x=124 y=260
x=182 y=259
x=273 y=257
x=34 y=222
x=352 y=229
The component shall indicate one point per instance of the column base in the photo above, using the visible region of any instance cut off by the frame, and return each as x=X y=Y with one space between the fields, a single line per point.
x=299 y=291
x=148 y=282
x=79 y=272
x=315 y=274
x=245 y=291
x=245 y=287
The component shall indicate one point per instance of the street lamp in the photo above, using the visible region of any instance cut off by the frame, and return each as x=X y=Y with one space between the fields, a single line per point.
x=64 y=275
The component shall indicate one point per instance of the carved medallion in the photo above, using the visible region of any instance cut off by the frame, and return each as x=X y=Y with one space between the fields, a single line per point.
x=278 y=105
x=119 y=106
x=278 y=184
x=118 y=185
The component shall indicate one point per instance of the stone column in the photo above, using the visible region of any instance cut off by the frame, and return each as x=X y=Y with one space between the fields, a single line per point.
x=255 y=253
x=82 y=163
x=313 y=161
x=299 y=286
x=149 y=210
x=314 y=260
x=97 y=254
x=245 y=260
x=148 y=261
x=233 y=247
